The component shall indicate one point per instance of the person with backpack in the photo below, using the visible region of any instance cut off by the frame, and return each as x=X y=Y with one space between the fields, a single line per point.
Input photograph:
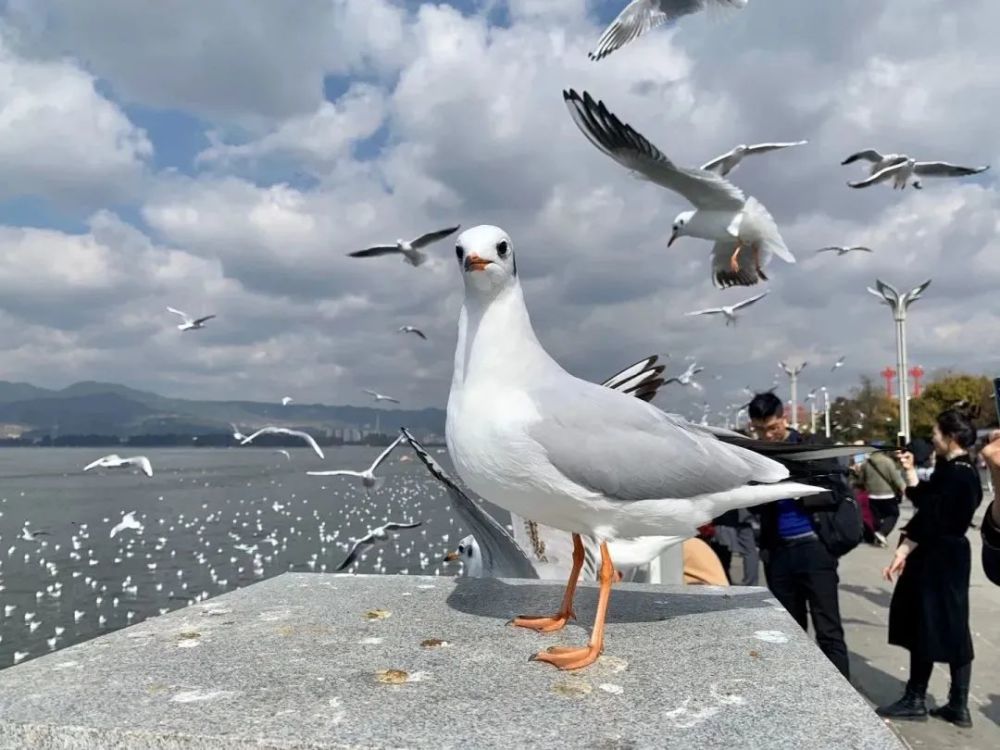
x=801 y=539
x=881 y=479
x=929 y=612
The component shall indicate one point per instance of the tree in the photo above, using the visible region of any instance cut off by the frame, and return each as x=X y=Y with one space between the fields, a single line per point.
x=867 y=414
x=946 y=391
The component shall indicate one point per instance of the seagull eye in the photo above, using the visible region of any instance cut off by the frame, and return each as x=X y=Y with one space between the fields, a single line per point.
x=459 y=252
x=503 y=248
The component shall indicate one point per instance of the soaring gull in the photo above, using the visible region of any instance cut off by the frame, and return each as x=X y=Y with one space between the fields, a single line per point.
x=561 y=451
x=844 y=249
x=368 y=479
x=409 y=250
x=687 y=377
x=727 y=162
x=375 y=536
x=272 y=430
x=413 y=330
x=640 y=16
x=729 y=311
x=190 y=324
x=114 y=461
x=723 y=214
x=380 y=397
x=901 y=168
x=128 y=522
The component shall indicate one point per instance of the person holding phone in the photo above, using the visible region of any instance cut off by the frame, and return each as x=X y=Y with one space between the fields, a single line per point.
x=991 y=521
x=929 y=613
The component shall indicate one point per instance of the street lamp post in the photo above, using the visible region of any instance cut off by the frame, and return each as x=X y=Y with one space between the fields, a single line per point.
x=826 y=411
x=793 y=375
x=811 y=398
x=900 y=303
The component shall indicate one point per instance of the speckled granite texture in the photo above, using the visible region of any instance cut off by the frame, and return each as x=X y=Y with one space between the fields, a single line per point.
x=323 y=661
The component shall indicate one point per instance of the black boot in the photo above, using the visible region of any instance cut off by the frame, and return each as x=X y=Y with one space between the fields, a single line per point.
x=957 y=710
x=911 y=707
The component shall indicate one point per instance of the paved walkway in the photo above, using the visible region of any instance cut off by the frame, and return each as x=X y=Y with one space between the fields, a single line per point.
x=878 y=670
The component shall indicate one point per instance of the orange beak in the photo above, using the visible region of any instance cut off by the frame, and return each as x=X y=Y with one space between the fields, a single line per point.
x=475 y=263
x=451 y=556
x=673 y=238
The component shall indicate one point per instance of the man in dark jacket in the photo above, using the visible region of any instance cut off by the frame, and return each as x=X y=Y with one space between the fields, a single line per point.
x=801 y=571
x=991 y=521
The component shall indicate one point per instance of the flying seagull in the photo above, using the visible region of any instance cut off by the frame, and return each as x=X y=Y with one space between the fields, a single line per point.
x=727 y=162
x=602 y=463
x=373 y=537
x=901 y=168
x=284 y=453
x=640 y=16
x=844 y=249
x=128 y=522
x=723 y=214
x=368 y=479
x=286 y=400
x=409 y=250
x=272 y=430
x=729 y=311
x=190 y=324
x=237 y=435
x=412 y=329
x=381 y=397
x=687 y=377
x=114 y=461
x=839 y=363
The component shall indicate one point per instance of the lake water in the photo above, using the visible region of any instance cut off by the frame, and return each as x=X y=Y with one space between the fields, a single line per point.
x=201 y=504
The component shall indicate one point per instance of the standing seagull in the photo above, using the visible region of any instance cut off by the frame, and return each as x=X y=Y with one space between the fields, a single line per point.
x=575 y=455
x=844 y=249
x=412 y=329
x=190 y=324
x=640 y=16
x=380 y=397
x=726 y=163
x=375 y=536
x=723 y=214
x=729 y=311
x=272 y=430
x=368 y=479
x=409 y=250
x=114 y=461
x=687 y=377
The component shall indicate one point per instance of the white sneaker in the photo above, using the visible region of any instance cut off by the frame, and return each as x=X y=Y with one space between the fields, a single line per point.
x=882 y=541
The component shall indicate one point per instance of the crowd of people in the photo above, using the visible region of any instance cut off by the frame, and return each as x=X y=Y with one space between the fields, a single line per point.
x=800 y=542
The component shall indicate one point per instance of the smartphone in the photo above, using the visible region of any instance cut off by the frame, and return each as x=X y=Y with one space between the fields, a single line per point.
x=901 y=439
x=996 y=396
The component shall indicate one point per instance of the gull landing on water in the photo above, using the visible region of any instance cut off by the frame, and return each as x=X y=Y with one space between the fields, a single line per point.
x=368 y=479
x=114 y=461
x=729 y=311
x=723 y=213
x=641 y=16
x=190 y=324
x=409 y=250
x=900 y=168
x=529 y=437
x=726 y=163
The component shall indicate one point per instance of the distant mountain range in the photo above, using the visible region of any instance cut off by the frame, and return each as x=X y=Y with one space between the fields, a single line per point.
x=92 y=408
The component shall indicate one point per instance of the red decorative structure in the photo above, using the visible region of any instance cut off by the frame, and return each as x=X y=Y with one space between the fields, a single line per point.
x=916 y=372
x=889 y=374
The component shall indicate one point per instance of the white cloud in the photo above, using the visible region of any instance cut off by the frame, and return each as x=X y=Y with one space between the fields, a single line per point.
x=59 y=138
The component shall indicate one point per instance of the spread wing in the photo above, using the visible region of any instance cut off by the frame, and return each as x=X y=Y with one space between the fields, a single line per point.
x=199 y=321
x=385 y=454
x=869 y=154
x=763 y=148
x=426 y=239
x=628 y=450
x=718 y=161
x=393 y=525
x=353 y=554
x=751 y=300
x=630 y=149
x=143 y=463
x=706 y=311
x=502 y=557
x=637 y=18
x=641 y=380
x=187 y=318
x=881 y=176
x=944 y=169
x=375 y=251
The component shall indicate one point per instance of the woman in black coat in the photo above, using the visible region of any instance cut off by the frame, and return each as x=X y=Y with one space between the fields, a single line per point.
x=929 y=614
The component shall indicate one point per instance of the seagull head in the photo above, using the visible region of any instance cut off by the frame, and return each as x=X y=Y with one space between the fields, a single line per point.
x=680 y=226
x=468 y=553
x=486 y=256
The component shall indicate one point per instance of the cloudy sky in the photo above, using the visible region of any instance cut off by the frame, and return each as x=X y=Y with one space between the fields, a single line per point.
x=224 y=157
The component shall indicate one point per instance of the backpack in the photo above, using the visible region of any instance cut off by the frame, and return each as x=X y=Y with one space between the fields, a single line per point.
x=841 y=527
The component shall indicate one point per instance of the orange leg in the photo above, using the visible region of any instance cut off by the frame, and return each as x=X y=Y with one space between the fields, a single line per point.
x=565 y=657
x=559 y=620
x=734 y=264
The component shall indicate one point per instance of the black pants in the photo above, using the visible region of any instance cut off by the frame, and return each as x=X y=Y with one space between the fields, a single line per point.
x=886 y=513
x=803 y=577
x=920 y=675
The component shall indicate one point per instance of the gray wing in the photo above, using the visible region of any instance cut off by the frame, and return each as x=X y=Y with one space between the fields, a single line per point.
x=706 y=311
x=641 y=380
x=199 y=321
x=944 y=169
x=393 y=525
x=719 y=161
x=373 y=252
x=869 y=154
x=859 y=249
x=426 y=239
x=751 y=300
x=723 y=275
x=630 y=149
x=831 y=249
x=502 y=556
x=880 y=176
x=353 y=554
x=628 y=450
x=763 y=148
x=637 y=18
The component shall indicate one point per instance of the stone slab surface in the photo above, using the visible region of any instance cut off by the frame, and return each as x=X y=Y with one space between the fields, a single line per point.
x=305 y=660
